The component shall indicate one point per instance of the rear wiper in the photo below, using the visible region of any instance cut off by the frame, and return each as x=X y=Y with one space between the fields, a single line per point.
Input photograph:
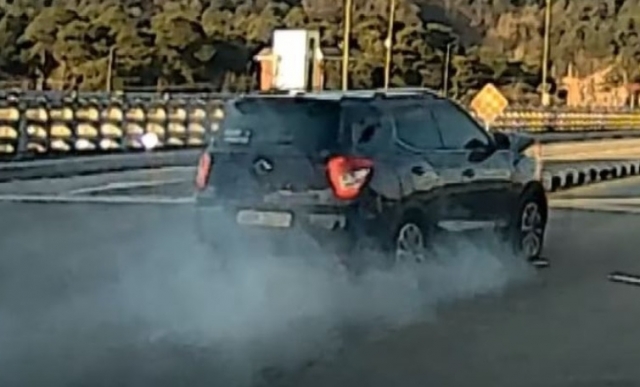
x=284 y=141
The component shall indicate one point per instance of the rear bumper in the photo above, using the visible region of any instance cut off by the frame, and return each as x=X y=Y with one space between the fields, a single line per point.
x=311 y=232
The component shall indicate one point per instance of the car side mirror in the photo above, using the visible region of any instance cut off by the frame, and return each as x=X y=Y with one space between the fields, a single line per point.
x=502 y=140
x=478 y=150
x=475 y=145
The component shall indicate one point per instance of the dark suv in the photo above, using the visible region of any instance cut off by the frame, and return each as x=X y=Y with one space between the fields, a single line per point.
x=364 y=169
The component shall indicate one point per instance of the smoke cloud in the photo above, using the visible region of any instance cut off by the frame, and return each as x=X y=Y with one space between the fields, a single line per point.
x=163 y=313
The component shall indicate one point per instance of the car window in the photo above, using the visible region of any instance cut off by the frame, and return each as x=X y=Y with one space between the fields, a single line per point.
x=415 y=126
x=309 y=125
x=366 y=127
x=457 y=128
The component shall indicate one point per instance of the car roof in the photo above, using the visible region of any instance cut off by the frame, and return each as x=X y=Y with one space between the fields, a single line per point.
x=365 y=94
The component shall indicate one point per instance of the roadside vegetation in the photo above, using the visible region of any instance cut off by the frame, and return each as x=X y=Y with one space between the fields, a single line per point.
x=69 y=44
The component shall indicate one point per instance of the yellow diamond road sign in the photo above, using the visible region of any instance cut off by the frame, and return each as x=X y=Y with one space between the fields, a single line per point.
x=489 y=103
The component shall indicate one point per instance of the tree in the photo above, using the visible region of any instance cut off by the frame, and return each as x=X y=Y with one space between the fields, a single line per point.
x=178 y=41
x=172 y=42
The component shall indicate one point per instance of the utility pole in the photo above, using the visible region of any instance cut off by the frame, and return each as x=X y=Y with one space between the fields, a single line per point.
x=346 y=35
x=112 y=53
x=388 y=43
x=545 y=98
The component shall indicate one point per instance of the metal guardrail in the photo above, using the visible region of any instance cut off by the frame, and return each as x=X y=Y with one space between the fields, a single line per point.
x=563 y=121
x=54 y=124
x=36 y=124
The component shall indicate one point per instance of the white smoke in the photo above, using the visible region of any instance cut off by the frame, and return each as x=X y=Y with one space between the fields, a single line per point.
x=165 y=314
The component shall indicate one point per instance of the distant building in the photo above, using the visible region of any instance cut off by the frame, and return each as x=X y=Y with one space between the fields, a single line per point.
x=596 y=90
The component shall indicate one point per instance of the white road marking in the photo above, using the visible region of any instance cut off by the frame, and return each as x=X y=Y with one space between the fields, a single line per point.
x=604 y=208
x=593 y=205
x=595 y=201
x=141 y=199
x=634 y=201
x=125 y=185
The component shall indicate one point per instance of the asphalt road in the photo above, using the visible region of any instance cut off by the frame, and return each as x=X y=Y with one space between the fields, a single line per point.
x=105 y=294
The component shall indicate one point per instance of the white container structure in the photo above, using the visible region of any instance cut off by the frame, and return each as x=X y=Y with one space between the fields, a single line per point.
x=295 y=52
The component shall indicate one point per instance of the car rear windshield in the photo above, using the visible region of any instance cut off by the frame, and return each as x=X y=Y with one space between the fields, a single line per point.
x=307 y=124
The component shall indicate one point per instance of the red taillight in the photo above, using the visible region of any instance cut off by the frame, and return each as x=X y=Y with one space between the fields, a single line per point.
x=204 y=169
x=348 y=175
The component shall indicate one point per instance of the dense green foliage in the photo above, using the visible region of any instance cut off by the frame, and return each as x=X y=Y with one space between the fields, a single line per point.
x=179 y=42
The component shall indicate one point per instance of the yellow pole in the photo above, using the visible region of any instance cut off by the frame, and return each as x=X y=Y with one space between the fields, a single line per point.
x=447 y=64
x=345 y=44
x=389 y=44
x=545 y=53
x=112 y=52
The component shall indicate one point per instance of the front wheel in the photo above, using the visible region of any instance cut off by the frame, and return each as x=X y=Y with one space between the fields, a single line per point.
x=529 y=226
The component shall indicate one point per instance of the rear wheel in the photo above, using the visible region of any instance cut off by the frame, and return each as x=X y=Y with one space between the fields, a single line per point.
x=208 y=237
x=404 y=244
x=411 y=240
x=409 y=243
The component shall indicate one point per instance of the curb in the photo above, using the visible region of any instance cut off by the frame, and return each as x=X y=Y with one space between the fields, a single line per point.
x=569 y=177
x=87 y=165
x=592 y=173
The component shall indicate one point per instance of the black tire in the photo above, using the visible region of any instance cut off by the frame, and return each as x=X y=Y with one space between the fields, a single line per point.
x=416 y=223
x=528 y=227
x=378 y=251
x=360 y=254
x=219 y=252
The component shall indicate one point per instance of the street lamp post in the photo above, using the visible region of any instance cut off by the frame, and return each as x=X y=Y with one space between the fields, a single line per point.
x=545 y=98
x=447 y=64
x=112 y=54
x=389 y=44
x=346 y=34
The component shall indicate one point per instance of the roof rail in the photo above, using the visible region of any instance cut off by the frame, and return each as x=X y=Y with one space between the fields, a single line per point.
x=396 y=91
x=272 y=94
x=409 y=89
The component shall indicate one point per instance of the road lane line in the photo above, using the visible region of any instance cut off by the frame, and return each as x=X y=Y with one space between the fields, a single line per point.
x=592 y=206
x=611 y=201
x=125 y=185
x=634 y=201
x=112 y=199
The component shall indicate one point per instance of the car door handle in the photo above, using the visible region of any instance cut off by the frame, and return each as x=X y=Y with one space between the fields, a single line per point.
x=418 y=170
x=468 y=173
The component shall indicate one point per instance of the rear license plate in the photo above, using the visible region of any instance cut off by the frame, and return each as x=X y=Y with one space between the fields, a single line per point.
x=264 y=218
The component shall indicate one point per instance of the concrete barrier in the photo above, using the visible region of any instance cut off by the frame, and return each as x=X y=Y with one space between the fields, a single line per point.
x=588 y=173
